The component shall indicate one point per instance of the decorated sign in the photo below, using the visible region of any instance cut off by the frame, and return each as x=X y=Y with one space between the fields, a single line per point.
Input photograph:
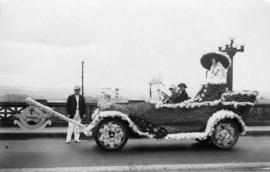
x=32 y=118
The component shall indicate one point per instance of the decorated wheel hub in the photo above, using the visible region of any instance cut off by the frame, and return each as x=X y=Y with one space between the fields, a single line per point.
x=111 y=135
x=224 y=134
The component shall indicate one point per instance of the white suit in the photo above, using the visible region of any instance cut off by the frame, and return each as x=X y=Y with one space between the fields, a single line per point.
x=72 y=128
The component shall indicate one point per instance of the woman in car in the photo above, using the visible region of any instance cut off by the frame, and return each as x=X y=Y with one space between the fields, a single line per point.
x=217 y=72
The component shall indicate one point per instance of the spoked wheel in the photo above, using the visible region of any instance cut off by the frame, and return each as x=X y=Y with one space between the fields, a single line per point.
x=111 y=135
x=225 y=135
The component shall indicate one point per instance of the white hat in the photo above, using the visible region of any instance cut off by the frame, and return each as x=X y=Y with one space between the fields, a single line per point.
x=77 y=87
x=173 y=87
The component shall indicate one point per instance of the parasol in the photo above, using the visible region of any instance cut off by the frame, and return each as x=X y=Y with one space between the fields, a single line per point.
x=206 y=60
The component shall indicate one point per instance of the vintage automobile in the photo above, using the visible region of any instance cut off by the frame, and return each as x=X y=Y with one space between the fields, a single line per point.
x=218 y=121
x=214 y=116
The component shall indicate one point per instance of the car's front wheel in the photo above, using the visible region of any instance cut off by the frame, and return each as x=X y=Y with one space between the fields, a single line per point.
x=225 y=135
x=111 y=134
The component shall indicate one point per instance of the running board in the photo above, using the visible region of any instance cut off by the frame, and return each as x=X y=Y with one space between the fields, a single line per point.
x=187 y=136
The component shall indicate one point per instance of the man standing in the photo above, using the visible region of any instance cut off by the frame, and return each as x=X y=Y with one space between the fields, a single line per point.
x=182 y=94
x=75 y=110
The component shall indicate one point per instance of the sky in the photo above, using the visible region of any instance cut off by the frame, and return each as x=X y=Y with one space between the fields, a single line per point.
x=125 y=43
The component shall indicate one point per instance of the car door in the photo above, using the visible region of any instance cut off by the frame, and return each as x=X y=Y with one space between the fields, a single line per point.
x=177 y=120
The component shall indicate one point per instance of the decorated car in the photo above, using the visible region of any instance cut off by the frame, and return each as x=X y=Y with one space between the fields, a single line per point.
x=213 y=116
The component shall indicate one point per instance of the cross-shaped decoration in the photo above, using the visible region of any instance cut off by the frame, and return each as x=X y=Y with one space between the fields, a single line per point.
x=31 y=110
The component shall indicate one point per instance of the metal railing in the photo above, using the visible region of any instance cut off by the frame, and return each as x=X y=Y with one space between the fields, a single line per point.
x=9 y=109
x=258 y=115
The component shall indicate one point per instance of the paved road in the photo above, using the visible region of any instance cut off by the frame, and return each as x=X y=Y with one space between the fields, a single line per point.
x=47 y=153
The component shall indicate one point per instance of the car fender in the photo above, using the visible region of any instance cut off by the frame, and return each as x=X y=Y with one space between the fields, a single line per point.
x=99 y=116
x=210 y=126
x=221 y=115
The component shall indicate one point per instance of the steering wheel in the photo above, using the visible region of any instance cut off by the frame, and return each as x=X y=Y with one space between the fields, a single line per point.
x=166 y=98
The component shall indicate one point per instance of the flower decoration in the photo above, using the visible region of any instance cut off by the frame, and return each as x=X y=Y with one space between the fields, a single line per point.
x=210 y=127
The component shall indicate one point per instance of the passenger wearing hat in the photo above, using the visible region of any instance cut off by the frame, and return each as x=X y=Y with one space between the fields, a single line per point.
x=75 y=110
x=174 y=95
x=182 y=94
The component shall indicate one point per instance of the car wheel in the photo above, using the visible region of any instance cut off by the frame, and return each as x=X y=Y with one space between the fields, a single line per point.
x=111 y=135
x=225 y=135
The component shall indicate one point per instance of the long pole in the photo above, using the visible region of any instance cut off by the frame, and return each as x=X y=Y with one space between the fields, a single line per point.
x=82 y=79
x=150 y=90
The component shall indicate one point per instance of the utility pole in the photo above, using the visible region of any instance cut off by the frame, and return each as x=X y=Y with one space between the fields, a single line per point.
x=230 y=51
x=150 y=90
x=82 y=79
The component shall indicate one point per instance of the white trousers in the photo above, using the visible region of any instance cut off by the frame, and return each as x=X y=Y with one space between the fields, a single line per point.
x=72 y=128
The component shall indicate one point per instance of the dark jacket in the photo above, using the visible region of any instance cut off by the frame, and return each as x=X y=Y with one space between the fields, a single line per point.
x=72 y=104
x=182 y=96
x=173 y=98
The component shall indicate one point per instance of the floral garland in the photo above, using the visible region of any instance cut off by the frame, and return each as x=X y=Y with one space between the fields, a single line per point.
x=95 y=113
x=192 y=104
x=236 y=104
x=210 y=127
x=242 y=93
x=104 y=114
x=215 y=81
x=189 y=104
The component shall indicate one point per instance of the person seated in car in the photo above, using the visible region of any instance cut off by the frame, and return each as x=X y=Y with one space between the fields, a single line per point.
x=182 y=94
x=177 y=95
x=174 y=95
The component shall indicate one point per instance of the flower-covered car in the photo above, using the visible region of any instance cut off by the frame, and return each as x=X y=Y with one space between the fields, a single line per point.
x=214 y=117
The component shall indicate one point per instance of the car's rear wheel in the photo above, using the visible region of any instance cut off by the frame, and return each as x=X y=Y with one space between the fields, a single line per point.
x=225 y=135
x=111 y=134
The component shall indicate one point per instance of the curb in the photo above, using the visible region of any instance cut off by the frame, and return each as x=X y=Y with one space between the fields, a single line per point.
x=22 y=136
x=242 y=166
